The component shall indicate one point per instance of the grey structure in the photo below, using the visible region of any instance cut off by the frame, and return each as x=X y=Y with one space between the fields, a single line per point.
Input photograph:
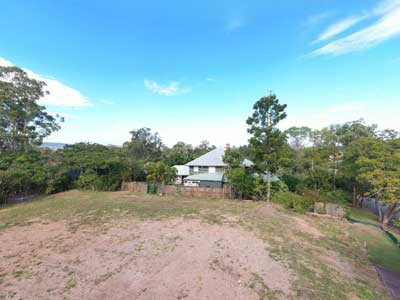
x=208 y=180
x=212 y=162
x=208 y=169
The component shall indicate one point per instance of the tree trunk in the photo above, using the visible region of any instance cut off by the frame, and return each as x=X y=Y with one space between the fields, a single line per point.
x=389 y=215
x=354 y=202
x=269 y=188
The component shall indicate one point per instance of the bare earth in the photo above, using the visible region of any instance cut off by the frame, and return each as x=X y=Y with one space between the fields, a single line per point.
x=173 y=259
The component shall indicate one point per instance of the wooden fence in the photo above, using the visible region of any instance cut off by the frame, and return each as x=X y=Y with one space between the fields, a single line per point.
x=174 y=190
x=140 y=187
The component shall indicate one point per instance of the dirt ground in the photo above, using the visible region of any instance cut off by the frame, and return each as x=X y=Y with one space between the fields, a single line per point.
x=173 y=259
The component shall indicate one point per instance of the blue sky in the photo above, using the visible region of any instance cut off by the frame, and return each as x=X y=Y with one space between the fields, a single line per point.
x=192 y=70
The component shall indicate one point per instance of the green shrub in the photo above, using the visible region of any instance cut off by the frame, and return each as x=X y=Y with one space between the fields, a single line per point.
x=292 y=182
x=279 y=186
x=260 y=189
x=241 y=182
x=314 y=196
x=338 y=197
x=293 y=201
x=88 y=181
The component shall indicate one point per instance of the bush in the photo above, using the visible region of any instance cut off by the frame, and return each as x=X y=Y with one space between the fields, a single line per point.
x=314 y=196
x=338 y=197
x=88 y=181
x=293 y=201
x=242 y=183
x=279 y=186
x=292 y=182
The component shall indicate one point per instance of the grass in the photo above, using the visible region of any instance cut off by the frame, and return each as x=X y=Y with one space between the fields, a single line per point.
x=301 y=252
x=381 y=249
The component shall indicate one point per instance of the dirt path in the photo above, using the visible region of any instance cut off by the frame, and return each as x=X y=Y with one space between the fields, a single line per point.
x=176 y=259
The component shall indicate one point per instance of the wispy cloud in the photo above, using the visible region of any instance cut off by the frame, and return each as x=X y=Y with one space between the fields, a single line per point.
x=339 y=27
x=317 y=19
x=171 y=89
x=387 y=26
x=210 y=79
x=60 y=94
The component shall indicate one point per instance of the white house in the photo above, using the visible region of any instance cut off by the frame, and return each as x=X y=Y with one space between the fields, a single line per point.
x=208 y=169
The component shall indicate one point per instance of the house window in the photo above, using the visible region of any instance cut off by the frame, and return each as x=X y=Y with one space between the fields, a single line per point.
x=219 y=169
x=203 y=170
x=211 y=169
x=196 y=169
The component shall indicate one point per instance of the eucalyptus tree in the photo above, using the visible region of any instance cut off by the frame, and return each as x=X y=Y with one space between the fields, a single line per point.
x=23 y=121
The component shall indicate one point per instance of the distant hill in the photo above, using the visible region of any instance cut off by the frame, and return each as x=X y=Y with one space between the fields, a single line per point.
x=54 y=146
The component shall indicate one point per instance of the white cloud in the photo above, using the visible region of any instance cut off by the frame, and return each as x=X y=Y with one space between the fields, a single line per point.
x=171 y=89
x=386 y=27
x=210 y=79
x=60 y=94
x=339 y=27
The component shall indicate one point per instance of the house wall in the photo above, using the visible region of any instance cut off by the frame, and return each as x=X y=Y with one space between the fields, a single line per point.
x=203 y=169
x=210 y=184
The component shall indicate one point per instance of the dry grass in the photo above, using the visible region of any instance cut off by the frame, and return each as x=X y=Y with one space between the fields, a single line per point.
x=326 y=258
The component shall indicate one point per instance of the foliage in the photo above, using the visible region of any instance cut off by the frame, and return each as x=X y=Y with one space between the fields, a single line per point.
x=338 y=197
x=279 y=186
x=291 y=181
x=266 y=139
x=144 y=144
x=23 y=122
x=260 y=188
x=159 y=172
x=241 y=182
x=95 y=167
x=293 y=201
x=298 y=136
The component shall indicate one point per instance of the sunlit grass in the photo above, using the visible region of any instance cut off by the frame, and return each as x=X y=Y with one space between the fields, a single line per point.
x=302 y=253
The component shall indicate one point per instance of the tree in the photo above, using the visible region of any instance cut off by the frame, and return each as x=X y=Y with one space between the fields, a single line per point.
x=240 y=180
x=350 y=132
x=267 y=140
x=95 y=167
x=362 y=157
x=203 y=148
x=383 y=178
x=298 y=136
x=179 y=154
x=23 y=122
x=145 y=145
x=159 y=173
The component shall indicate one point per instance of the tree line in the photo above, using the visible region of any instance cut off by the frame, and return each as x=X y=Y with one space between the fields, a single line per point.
x=346 y=163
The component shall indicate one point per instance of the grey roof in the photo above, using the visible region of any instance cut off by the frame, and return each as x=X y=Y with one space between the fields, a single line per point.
x=206 y=177
x=182 y=170
x=214 y=158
